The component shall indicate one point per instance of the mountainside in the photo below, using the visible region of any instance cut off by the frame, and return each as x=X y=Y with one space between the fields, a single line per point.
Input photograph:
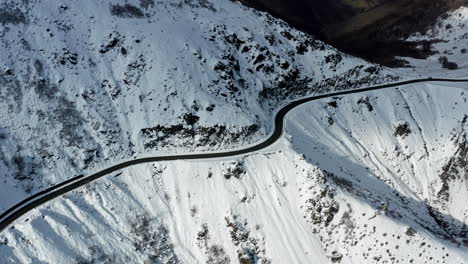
x=374 y=30
x=375 y=177
x=85 y=83
x=365 y=178
x=450 y=47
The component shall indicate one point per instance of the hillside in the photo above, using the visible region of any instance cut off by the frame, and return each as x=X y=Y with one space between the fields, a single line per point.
x=375 y=30
x=363 y=178
x=376 y=177
x=85 y=83
x=450 y=42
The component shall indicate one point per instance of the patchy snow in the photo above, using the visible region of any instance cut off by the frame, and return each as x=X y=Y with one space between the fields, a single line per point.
x=92 y=82
x=352 y=189
x=450 y=34
x=376 y=177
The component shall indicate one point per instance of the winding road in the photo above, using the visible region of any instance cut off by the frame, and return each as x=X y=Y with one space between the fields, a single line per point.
x=40 y=198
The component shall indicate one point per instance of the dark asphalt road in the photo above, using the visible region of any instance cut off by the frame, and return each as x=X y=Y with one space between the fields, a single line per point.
x=38 y=199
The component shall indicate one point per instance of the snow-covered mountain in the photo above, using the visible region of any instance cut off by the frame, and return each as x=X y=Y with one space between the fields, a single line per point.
x=84 y=82
x=448 y=40
x=379 y=177
x=357 y=179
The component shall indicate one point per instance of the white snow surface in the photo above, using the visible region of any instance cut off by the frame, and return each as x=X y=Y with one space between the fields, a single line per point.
x=90 y=82
x=450 y=34
x=375 y=177
x=277 y=209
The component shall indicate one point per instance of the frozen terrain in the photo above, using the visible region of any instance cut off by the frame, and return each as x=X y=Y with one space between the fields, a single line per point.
x=377 y=177
x=89 y=82
x=449 y=38
x=355 y=179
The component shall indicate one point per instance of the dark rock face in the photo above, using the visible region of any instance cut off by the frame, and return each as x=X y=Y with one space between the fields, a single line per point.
x=160 y=137
x=402 y=130
x=369 y=29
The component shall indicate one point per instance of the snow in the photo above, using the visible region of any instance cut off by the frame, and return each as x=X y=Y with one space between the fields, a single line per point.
x=352 y=181
x=82 y=84
x=451 y=41
x=271 y=200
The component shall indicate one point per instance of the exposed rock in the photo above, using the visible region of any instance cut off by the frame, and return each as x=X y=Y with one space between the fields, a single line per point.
x=336 y=257
x=236 y=170
x=402 y=130
x=159 y=137
x=126 y=11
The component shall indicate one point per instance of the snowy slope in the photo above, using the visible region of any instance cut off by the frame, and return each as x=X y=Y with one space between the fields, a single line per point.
x=345 y=183
x=378 y=177
x=386 y=154
x=449 y=39
x=85 y=83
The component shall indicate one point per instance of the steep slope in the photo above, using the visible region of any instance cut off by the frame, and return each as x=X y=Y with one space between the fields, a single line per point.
x=369 y=178
x=85 y=83
x=374 y=30
x=401 y=152
x=450 y=46
x=355 y=179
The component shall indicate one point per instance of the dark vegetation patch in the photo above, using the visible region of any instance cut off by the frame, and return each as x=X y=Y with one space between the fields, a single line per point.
x=250 y=249
x=28 y=169
x=112 y=89
x=410 y=231
x=206 y=4
x=97 y=255
x=334 y=59
x=12 y=88
x=190 y=119
x=39 y=67
x=446 y=64
x=451 y=227
x=3 y=134
x=12 y=15
x=113 y=41
x=291 y=84
x=321 y=208
x=402 y=130
x=336 y=257
x=218 y=135
x=126 y=11
x=454 y=169
x=123 y=51
x=236 y=170
x=153 y=241
x=210 y=108
x=333 y=104
x=44 y=89
x=365 y=101
x=385 y=52
x=146 y=4
x=228 y=69
x=215 y=253
x=134 y=71
x=68 y=57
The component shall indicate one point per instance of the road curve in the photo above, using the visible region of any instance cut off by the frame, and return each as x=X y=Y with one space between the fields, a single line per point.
x=40 y=198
